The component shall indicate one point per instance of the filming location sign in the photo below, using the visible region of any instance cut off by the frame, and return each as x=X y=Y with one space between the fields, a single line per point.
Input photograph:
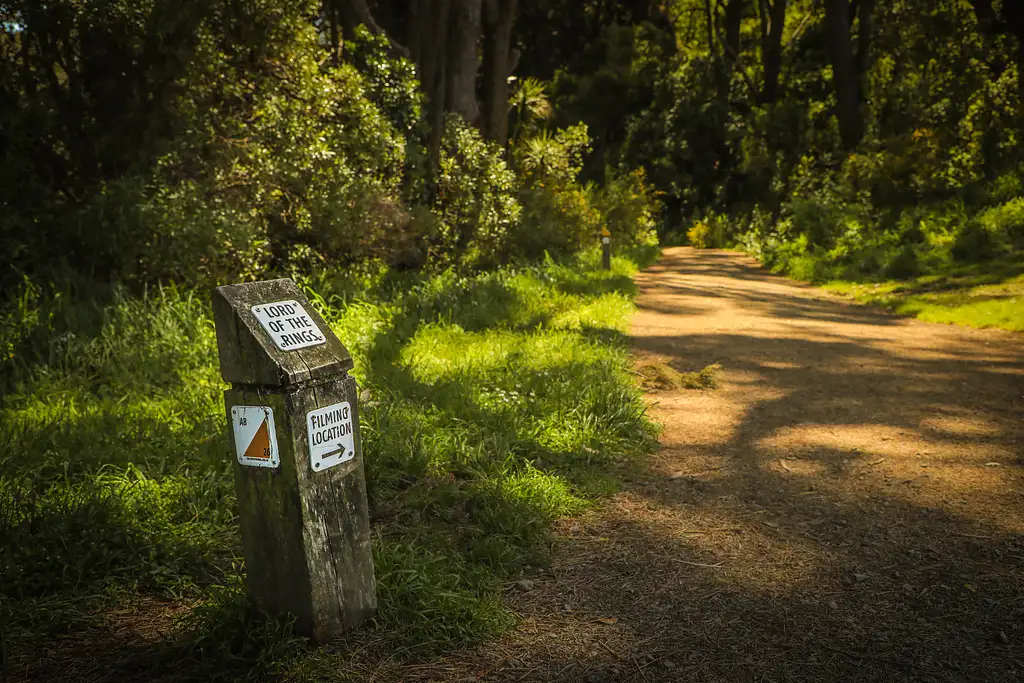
x=288 y=325
x=331 y=441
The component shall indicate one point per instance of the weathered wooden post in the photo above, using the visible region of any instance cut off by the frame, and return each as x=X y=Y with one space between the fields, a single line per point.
x=606 y=249
x=298 y=462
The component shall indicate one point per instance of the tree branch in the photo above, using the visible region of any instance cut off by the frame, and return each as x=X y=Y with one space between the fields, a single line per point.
x=356 y=12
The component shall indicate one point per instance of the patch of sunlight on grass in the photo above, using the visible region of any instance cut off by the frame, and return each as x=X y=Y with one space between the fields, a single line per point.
x=970 y=298
x=607 y=312
x=1007 y=314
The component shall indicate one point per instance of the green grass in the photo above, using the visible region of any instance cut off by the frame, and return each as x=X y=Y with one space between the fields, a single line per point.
x=498 y=403
x=981 y=295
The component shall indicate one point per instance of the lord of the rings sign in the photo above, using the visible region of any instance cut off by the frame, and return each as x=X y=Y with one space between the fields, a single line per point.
x=288 y=325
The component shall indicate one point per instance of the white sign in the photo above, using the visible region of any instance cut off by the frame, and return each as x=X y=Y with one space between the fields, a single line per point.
x=255 y=436
x=288 y=325
x=331 y=441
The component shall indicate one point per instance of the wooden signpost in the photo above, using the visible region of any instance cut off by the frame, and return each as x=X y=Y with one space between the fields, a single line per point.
x=606 y=249
x=298 y=463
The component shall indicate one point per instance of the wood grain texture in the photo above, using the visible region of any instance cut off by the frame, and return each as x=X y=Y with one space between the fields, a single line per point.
x=306 y=534
x=335 y=513
x=270 y=517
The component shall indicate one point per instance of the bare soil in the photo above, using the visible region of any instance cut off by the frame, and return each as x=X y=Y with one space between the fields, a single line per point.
x=847 y=505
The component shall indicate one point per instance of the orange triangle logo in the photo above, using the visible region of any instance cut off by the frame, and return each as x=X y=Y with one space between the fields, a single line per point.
x=259 y=447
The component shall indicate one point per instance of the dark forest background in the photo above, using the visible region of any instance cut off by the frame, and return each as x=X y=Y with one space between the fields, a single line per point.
x=215 y=140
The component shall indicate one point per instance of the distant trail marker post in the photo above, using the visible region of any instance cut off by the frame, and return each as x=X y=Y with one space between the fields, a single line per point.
x=606 y=249
x=298 y=462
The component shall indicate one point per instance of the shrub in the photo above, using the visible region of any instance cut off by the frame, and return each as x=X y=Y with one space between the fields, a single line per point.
x=475 y=205
x=242 y=150
x=557 y=219
x=629 y=207
x=710 y=232
x=901 y=263
x=699 y=235
x=1008 y=185
x=559 y=216
x=996 y=231
x=553 y=157
x=1005 y=223
x=818 y=218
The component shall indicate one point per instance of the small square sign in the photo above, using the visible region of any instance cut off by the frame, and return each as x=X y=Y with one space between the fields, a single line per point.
x=288 y=325
x=331 y=441
x=255 y=436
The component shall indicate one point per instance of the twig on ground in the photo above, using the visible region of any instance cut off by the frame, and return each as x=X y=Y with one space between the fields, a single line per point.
x=613 y=652
x=639 y=668
x=851 y=655
x=698 y=564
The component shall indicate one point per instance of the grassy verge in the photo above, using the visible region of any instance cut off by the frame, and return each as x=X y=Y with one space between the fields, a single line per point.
x=980 y=295
x=497 y=403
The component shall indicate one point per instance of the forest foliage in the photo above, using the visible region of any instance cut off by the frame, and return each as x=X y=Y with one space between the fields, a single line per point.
x=207 y=141
x=202 y=142
x=836 y=139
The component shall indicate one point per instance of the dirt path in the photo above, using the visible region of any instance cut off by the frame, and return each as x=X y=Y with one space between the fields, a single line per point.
x=847 y=505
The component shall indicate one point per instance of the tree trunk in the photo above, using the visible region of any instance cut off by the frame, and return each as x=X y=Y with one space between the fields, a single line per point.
x=415 y=38
x=844 y=72
x=730 y=46
x=1020 y=83
x=865 y=27
x=710 y=14
x=499 y=17
x=27 y=75
x=463 y=59
x=771 y=49
x=733 y=17
x=433 y=68
x=334 y=22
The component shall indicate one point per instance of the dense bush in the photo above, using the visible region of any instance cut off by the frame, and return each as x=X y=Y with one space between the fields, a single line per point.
x=229 y=144
x=558 y=216
x=938 y=94
x=629 y=206
x=256 y=149
x=475 y=206
x=817 y=239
